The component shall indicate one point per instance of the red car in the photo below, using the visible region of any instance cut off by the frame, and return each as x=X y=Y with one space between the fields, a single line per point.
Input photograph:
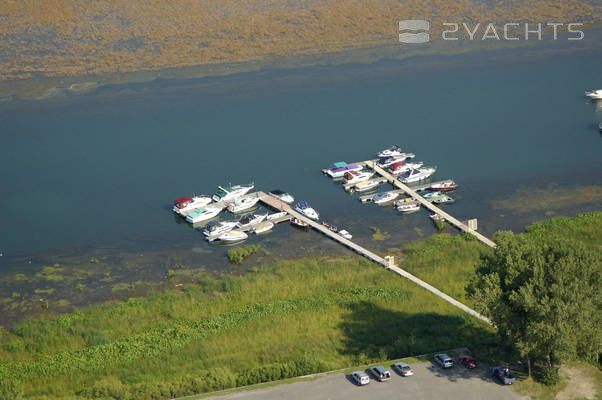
x=468 y=361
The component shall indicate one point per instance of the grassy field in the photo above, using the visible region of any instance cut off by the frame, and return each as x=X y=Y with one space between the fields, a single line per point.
x=287 y=319
x=283 y=320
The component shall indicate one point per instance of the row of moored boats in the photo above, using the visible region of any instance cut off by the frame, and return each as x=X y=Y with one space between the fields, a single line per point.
x=236 y=199
x=401 y=164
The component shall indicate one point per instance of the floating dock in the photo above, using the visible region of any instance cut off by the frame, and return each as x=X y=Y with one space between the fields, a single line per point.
x=425 y=203
x=281 y=206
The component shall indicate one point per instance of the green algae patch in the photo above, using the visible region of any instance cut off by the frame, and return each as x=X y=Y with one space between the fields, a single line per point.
x=551 y=198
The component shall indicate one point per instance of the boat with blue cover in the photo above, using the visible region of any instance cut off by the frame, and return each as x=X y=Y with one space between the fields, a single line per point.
x=340 y=168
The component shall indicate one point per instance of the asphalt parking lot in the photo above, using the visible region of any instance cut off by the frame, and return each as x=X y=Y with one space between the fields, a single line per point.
x=429 y=382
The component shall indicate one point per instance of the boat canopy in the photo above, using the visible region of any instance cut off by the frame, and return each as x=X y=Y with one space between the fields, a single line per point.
x=340 y=164
x=277 y=192
x=398 y=164
x=182 y=201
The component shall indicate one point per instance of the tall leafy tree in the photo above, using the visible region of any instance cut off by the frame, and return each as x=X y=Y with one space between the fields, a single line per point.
x=543 y=294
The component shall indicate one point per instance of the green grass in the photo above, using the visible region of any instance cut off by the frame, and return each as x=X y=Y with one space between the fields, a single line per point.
x=238 y=255
x=287 y=319
x=282 y=320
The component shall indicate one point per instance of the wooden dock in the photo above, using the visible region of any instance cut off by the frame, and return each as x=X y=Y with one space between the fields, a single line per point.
x=427 y=204
x=281 y=206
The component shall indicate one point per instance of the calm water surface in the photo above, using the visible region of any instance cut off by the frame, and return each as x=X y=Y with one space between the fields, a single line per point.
x=102 y=169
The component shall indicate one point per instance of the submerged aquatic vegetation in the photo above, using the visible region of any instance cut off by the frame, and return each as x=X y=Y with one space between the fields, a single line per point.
x=378 y=235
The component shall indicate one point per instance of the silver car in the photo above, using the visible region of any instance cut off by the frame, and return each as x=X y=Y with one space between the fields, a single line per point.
x=361 y=378
x=380 y=373
x=444 y=360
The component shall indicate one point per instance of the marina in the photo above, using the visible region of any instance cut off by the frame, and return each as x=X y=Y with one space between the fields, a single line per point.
x=304 y=216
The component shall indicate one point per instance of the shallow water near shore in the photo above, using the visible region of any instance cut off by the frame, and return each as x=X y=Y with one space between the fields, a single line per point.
x=90 y=181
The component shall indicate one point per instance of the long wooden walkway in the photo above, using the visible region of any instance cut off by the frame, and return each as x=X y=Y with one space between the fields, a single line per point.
x=281 y=206
x=396 y=182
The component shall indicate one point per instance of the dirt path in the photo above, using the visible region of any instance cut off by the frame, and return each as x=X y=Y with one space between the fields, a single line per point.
x=579 y=386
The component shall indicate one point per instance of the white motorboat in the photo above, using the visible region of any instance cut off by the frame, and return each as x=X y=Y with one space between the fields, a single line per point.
x=357 y=176
x=262 y=227
x=384 y=162
x=391 y=151
x=415 y=175
x=436 y=217
x=218 y=227
x=185 y=204
x=243 y=204
x=215 y=229
x=250 y=220
x=233 y=236
x=594 y=94
x=408 y=207
x=384 y=197
x=400 y=167
x=364 y=186
x=202 y=214
x=275 y=216
x=430 y=195
x=444 y=186
x=282 y=196
x=306 y=210
x=345 y=234
x=231 y=192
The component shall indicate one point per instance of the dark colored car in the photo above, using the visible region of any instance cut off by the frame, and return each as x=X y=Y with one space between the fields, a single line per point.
x=503 y=375
x=468 y=361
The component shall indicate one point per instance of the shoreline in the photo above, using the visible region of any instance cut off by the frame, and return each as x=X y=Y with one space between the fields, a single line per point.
x=40 y=89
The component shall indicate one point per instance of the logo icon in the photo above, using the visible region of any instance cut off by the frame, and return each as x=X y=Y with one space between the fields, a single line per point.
x=414 y=25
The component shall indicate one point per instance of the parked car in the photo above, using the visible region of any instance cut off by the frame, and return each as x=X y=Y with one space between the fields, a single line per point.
x=404 y=369
x=468 y=361
x=503 y=375
x=444 y=360
x=361 y=378
x=381 y=373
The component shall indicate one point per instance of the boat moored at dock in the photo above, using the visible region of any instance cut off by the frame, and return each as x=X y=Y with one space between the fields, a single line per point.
x=282 y=196
x=235 y=235
x=243 y=204
x=444 y=186
x=357 y=176
x=248 y=221
x=400 y=167
x=364 y=186
x=415 y=175
x=262 y=227
x=442 y=199
x=340 y=168
x=304 y=208
x=184 y=205
x=229 y=193
x=215 y=229
x=202 y=214
x=408 y=207
x=391 y=151
x=299 y=223
x=384 y=197
x=384 y=162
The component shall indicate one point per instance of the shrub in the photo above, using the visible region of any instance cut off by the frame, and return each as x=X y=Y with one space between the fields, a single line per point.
x=548 y=376
x=239 y=254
